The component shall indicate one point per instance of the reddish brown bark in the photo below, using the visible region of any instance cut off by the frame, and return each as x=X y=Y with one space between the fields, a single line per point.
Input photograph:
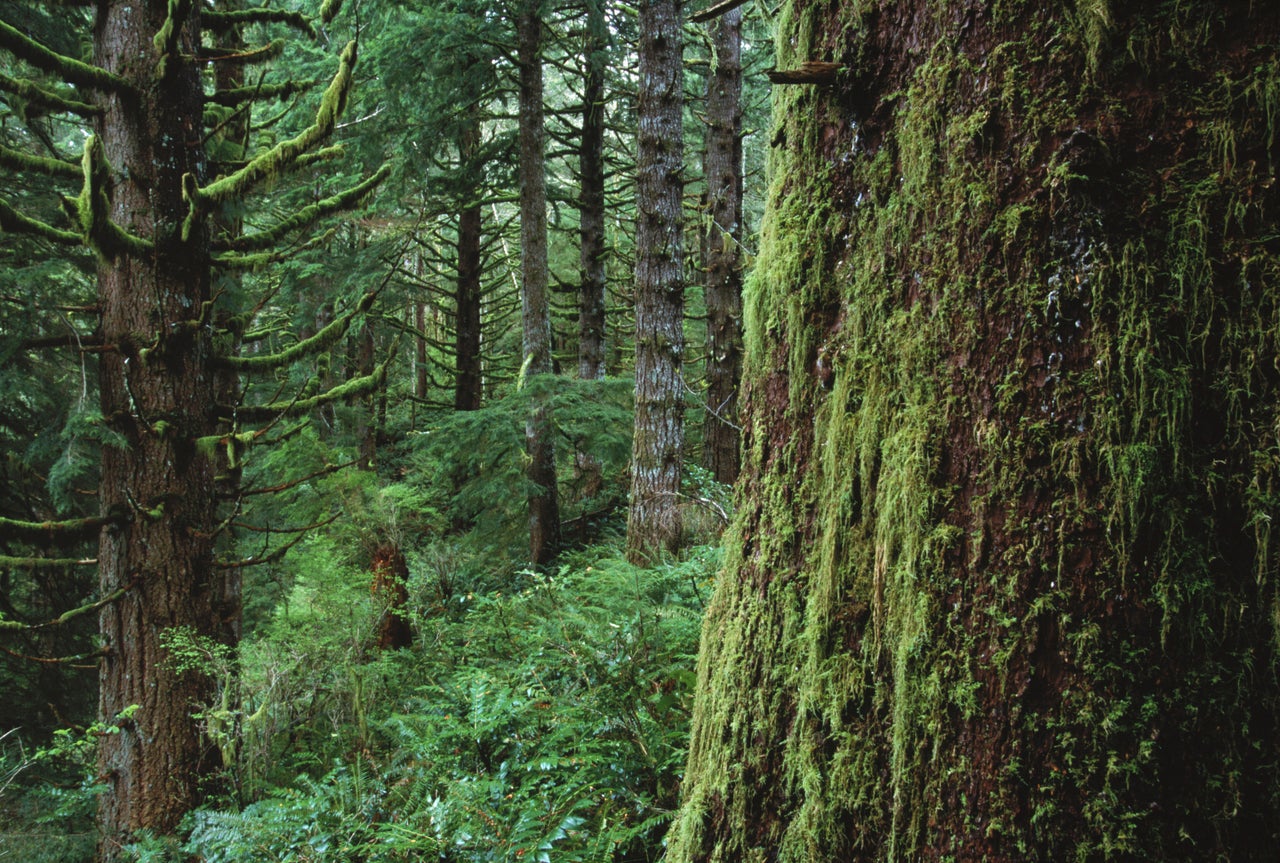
x=390 y=590
x=158 y=395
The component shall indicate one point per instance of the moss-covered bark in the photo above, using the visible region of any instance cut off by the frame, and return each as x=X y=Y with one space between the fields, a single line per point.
x=1001 y=585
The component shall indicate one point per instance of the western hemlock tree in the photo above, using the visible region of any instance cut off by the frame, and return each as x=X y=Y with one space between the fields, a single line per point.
x=1002 y=585
x=145 y=207
x=653 y=521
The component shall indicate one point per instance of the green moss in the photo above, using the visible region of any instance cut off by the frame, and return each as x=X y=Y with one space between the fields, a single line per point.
x=993 y=590
x=279 y=158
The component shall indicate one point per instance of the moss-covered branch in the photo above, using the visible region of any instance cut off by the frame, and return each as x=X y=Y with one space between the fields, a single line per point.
x=231 y=261
x=170 y=32
x=352 y=389
x=97 y=229
x=240 y=95
x=67 y=616
x=221 y=22
x=274 y=161
x=36 y=95
x=345 y=200
x=13 y=222
x=38 y=530
x=19 y=161
x=10 y=562
x=329 y=10
x=71 y=71
x=307 y=347
x=265 y=54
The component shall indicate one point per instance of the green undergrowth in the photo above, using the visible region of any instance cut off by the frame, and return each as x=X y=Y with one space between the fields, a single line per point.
x=543 y=721
x=1005 y=588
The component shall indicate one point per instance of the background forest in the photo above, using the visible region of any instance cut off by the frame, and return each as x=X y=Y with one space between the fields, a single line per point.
x=376 y=377
x=402 y=664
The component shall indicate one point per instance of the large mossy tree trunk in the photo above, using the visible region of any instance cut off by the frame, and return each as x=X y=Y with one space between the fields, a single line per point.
x=1001 y=584
x=158 y=393
x=657 y=451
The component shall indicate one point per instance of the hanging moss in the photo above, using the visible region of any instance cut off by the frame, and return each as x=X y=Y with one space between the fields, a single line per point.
x=1001 y=587
x=170 y=32
x=329 y=10
x=240 y=95
x=19 y=161
x=352 y=389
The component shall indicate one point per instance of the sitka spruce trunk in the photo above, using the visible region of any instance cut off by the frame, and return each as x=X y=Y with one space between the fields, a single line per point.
x=1001 y=585
x=158 y=387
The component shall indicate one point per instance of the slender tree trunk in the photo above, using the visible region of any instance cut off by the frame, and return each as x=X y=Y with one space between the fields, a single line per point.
x=544 y=508
x=228 y=593
x=591 y=290
x=1003 y=586
x=469 y=381
x=367 y=405
x=721 y=242
x=653 y=523
x=158 y=390
x=591 y=294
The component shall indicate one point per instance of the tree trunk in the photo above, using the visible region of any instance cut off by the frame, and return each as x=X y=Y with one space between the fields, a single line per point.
x=722 y=169
x=468 y=384
x=544 y=508
x=1001 y=587
x=591 y=293
x=390 y=591
x=653 y=522
x=158 y=395
x=366 y=430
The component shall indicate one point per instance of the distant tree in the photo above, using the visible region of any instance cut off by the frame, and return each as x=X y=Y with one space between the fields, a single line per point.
x=591 y=171
x=544 y=509
x=722 y=262
x=653 y=522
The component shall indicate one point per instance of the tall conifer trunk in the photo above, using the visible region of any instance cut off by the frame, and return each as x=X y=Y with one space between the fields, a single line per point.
x=653 y=522
x=591 y=294
x=158 y=395
x=469 y=381
x=721 y=244
x=544 y=508
x=1002 y=585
